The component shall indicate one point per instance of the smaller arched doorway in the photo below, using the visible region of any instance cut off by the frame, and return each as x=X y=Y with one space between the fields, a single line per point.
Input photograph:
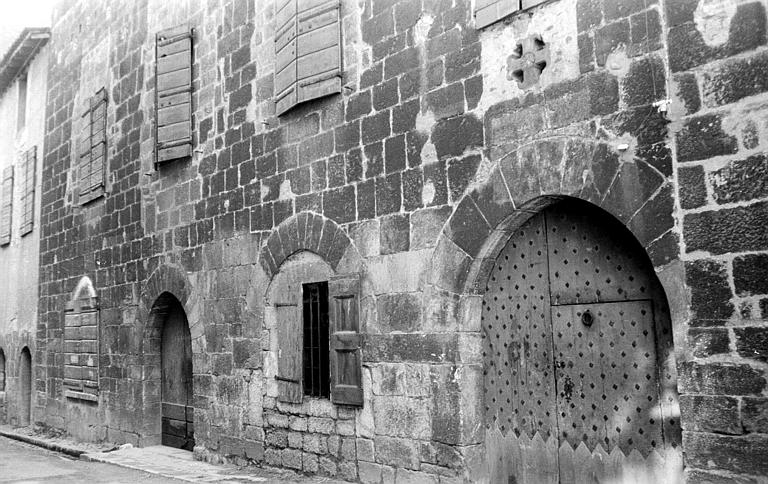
x=177 y=414
x=2 y=370
x=25 y=387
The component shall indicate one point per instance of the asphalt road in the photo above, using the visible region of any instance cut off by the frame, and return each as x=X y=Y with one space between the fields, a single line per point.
x=27 y=464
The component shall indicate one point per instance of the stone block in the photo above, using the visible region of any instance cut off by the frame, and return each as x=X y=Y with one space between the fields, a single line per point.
x=707 y=413
x=703 y=137
x=340 y=204
x=388 y=194
x=686 y=44
x=298 y=424
x=453 y=136
x=645 y=82
x=426 y=225
x=737 y=454
x=740 y=180
x=705 y=342
x=735 y=79
x=395 y=233
x=345 y=428
x=435 y=347
x=754 y=414
x=720 y=379
x=397 y=452
x=370 y=473
x=752 y=343
x=710 y=292
x=326 y=467
x=435 y=191
x=399 y=312
x=321 y=425
x=291 y=458
x=348 y=471
x=397 y=416
x=295 y=440
x=691 y=186
x=738 y=229
x=365 y=451
x=375 y=127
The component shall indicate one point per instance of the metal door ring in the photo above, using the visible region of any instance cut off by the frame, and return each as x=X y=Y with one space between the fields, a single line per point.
x=587 y=319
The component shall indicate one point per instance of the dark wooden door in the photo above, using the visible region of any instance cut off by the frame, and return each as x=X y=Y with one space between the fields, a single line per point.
x=176 y=355
x=579 y=375
x=25 y=387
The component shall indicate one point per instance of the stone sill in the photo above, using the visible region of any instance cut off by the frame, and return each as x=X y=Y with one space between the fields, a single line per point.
x=81 y=396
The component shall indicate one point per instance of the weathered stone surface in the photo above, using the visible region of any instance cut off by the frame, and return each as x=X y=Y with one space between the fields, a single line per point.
x=396 y=452
x=729 y=230
x=688 y=91
x=754 y=414
x=740 y=180
x=395 y=234
x=720 y=379
x=752 y=343
x=426 y=225
x=692 y=186
x=710 y=292
x=702 y=137
x=453 y=136
x=645 y=82
x=687 y=47
x=741 y=455
x=749 y=274
x=411 y=347
x=734 y=80
x=704 y=413
x=399 y=312
x=402 y=417
x=706 y=342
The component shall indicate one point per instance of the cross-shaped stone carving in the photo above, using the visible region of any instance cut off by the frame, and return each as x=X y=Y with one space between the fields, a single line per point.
x=527 y=61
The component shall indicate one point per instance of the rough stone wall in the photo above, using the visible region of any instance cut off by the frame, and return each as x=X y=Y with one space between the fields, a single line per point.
x=425 y=161
x=19 y=260
x=717 y=60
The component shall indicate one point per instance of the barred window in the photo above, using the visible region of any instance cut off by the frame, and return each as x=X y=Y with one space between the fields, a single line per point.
x=316 y=345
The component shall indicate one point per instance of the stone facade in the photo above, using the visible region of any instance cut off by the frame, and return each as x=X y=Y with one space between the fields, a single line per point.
x=19 y=259
x=413 y=177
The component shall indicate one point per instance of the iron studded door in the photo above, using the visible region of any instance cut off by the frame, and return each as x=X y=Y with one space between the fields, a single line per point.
x=573 y=371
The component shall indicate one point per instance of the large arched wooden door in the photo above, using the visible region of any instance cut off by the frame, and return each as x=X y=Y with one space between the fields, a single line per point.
x=25 y=387
x=176 y=386
x=579 y=375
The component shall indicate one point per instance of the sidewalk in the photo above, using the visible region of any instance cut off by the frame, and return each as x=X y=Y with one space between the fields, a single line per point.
x=159 y=460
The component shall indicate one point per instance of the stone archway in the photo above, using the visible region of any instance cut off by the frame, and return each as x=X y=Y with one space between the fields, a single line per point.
x=168 y=303
x=525 y=179
x=579 y=379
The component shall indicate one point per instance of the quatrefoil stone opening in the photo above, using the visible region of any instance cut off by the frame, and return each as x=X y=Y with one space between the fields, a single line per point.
x=527 y=61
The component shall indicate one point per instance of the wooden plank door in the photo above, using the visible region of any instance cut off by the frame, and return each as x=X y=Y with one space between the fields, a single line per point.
x=176 y=355
x=25 y=390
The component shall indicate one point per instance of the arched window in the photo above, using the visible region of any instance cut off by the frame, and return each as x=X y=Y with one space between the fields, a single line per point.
x=2 y=371
x=81 y=344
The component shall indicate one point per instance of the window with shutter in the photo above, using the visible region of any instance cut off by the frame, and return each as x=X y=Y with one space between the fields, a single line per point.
x=93 y=149
x=6 y=206
x=307 y=51
x=28 y=167
x=173 y=94
x=346 y=364
x=81 y=350
x=289 y=336
x=488 y=12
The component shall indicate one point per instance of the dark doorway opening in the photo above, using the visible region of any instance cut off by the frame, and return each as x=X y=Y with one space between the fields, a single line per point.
x=25 y=387
x=177 y=413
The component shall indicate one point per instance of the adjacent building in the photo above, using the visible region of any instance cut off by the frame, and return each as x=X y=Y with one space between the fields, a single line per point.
x=23 y=90
x=410 y=241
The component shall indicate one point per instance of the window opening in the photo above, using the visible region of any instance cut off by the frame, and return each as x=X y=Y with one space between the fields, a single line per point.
x=21 y=120
x=316 y=340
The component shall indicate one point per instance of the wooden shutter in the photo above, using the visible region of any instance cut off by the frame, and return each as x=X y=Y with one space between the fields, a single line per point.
x=28 y=190
x=173 y=94
x=491 y=11
x=307 y=51
x=346 y=365
x=289 y=340
x=92 y=150
x=6 y=206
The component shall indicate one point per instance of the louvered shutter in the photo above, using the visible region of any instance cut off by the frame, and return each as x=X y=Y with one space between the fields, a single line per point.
x=6 y=206
x=92 y=148
x=346 y=364
x=490 y=11
x=173 y=95
x=28 y=191
x=307 y=51
x=289 y=339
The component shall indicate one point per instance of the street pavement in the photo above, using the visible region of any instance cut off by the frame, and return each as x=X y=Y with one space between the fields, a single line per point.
x=23 y=463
